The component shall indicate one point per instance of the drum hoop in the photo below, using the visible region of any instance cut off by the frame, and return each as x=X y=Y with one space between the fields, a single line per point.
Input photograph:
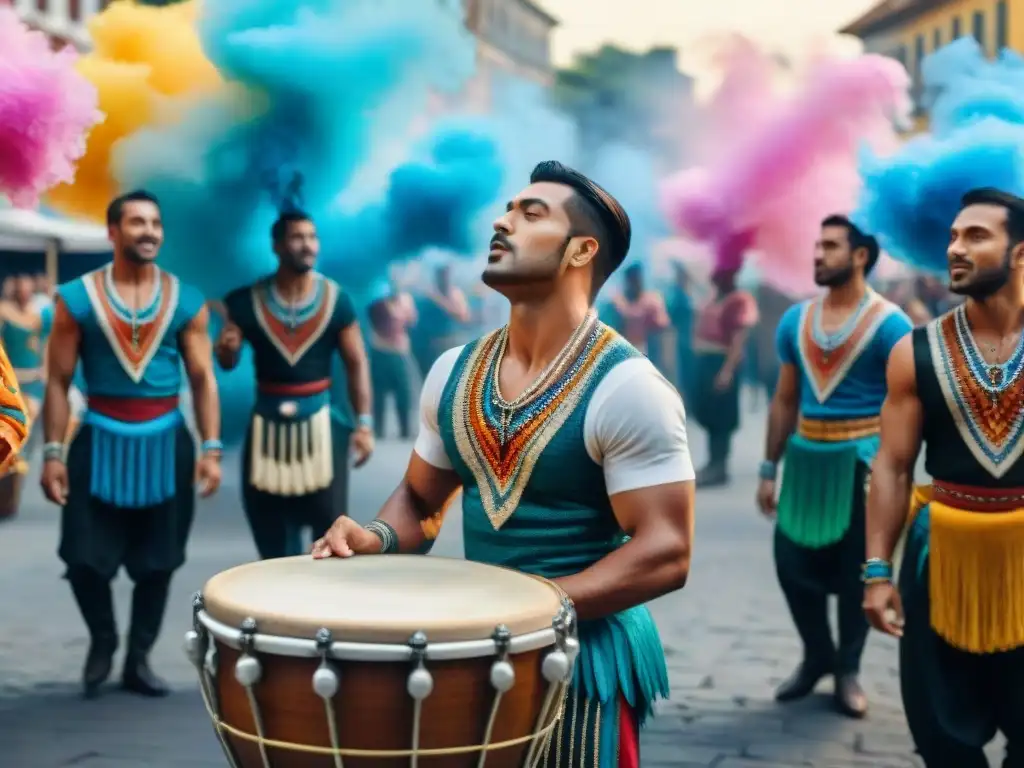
x=277 y=645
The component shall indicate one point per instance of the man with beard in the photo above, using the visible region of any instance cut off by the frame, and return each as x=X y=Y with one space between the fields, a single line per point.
x=570 y=449
x=295 y=463
x=962 y=577
x=127 y=484
x=824 y=419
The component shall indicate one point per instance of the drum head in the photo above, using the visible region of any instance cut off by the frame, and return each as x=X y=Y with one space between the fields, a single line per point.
x=381 y=599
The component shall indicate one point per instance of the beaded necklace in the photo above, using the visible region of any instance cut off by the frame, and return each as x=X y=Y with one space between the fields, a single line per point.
x=554 y=371
x=830 y=342
x=994 y=378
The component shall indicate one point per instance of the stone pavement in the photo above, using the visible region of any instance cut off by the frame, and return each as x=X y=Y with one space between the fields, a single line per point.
x=727 y=636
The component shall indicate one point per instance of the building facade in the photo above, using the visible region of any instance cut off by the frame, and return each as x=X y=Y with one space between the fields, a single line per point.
x=909 y=30
x=64 y=21
x=513 y=41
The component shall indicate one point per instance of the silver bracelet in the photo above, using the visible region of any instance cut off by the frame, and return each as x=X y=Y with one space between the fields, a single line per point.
x=388 y=536
x=53 y=452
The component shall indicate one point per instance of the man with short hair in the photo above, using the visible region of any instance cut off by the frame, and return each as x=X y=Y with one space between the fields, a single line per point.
x=962 y=580
x=295 y=461
x=127 y=483
x=570 y=450
x=824 y=420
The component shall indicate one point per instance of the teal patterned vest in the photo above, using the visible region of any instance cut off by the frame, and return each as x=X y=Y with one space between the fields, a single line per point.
x=534 y=500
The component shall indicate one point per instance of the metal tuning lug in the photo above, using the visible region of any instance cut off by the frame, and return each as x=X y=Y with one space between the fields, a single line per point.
x=325 y=679
x=503 y=674
x=556 y=667
x=248 y=669
x=421 y=682
x=196 y=640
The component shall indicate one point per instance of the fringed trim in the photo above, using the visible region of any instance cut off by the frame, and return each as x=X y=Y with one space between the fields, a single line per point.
x=818 y=487
x=976 y=578
x=133 y=463
x=292 y=457
x=622 y=654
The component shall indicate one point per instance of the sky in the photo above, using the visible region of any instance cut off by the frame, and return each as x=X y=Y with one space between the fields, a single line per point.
x=640 y=24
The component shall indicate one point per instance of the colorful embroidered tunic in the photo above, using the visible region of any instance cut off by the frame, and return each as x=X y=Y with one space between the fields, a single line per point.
x=537 y=475
x=290 y=450
x=14 y=424
x=842 y=387
x=131 y=365
x=25 y=347
x=972 y=531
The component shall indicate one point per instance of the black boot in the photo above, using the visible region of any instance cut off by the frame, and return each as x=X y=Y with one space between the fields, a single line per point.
x=96 y=603
x=149 y=601
x=802 y=682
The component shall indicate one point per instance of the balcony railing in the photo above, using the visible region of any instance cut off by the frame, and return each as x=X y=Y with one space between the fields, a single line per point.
x=64 y=19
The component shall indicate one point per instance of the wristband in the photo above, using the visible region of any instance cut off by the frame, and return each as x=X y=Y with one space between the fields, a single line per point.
x=212 y=446
x=53 y=452
x=768 y=470
x=387 y=534
x=877 y=571
x=365 y=421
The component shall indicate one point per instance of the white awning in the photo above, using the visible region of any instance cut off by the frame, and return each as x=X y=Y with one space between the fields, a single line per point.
x=22 y=230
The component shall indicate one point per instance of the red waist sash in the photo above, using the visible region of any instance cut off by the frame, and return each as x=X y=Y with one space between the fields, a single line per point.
x=136 y=409
x=972 y=498
x=303 y=389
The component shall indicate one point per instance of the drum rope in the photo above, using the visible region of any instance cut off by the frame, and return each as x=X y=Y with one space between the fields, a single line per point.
x=490 y=729
x=258 y=721
x=207 y=693
x=417 y=715
x=266 y=743
x=332 y=727
x=555 y=691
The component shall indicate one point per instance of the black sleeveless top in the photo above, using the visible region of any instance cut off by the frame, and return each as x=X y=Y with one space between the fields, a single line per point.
x=971 y=428
x=291 y=344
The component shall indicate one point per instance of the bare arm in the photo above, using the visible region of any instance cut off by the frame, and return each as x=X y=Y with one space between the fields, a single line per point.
x=61 y=360
x=455 y=304
x=893 y=469
x=654 y=562
x=197 y=353
x=424 y=492
x=734 y=356
x=357 y=368
x=782 y=414
x=660 y=318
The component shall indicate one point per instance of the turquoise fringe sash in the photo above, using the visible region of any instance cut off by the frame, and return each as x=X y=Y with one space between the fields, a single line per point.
x=133 y=463
x=620 y=655
x=816 y=500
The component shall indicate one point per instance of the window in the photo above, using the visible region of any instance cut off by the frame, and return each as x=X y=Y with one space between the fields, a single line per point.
x=42 y=6
x=918 y=55
x=1002 y=24
x=956 y=28
x=978 y=29
x=936 y=39
x=75 y=10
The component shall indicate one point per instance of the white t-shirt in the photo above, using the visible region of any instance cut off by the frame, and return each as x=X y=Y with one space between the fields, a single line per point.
x=634 y=427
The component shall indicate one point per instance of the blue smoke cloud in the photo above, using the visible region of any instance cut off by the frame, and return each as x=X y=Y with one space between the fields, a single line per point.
x=910 y=199
x=313 y=87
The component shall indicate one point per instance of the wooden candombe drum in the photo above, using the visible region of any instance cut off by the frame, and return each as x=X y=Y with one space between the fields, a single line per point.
x=381 y=662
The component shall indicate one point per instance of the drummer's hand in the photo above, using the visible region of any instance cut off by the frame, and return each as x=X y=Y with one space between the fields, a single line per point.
x=208 y=474
x=345 y=538
x=362 y=445
x=55 y=481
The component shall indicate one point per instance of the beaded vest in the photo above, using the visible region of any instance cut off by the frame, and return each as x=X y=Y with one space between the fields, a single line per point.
x=975 y=411
x=533 y=498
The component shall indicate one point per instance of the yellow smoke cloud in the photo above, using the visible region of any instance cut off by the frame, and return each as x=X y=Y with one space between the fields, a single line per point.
x=143 y=57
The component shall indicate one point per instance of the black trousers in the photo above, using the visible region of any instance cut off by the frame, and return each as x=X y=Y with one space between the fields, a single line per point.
x=389 y=376
x=808 y=576
x=955 y=701
x=98 y=539
x=278 y=522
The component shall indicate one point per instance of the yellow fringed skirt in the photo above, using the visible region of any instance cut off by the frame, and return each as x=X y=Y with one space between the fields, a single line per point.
x=975 y=565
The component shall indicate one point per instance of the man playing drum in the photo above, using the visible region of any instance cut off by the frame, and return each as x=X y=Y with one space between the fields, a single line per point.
x=571 y=452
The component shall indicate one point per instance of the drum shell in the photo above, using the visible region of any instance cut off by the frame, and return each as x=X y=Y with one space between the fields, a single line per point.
x=374 y=711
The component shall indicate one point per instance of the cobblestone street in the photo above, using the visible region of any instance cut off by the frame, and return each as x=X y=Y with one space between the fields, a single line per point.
x=728 y=638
